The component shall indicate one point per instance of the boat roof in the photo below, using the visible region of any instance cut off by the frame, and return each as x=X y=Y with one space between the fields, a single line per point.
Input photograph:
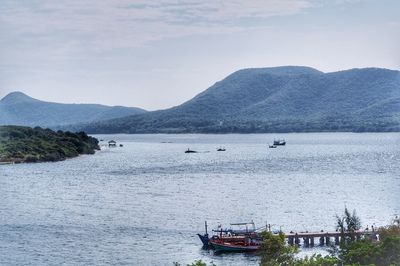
x=249 y=231
x=243 y=223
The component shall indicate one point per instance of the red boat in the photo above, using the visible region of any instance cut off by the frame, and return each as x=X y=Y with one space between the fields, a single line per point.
x=247 y=245
x=233 y=240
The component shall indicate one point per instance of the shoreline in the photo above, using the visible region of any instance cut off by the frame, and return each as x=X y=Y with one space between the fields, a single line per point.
x=7 y=163
x=22 y=161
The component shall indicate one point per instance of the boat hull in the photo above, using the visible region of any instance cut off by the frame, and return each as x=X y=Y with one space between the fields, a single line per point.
x=232 y=247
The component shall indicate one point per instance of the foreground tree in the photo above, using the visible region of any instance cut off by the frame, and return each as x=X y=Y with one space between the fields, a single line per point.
x=317 y=260
x=382 y=247
x=366 y=252
x=196 y=263
x=348 y=223
x=274 y=250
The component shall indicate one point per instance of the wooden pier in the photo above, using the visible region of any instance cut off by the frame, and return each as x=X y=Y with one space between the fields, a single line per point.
x=323 y=238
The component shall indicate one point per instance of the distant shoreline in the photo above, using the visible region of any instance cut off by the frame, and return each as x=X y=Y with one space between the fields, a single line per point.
x=13 y=161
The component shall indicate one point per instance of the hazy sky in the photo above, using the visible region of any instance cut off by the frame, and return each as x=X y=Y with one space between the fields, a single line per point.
x=160 y=53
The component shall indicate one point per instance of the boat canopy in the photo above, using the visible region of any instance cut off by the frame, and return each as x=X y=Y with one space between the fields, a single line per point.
x=252 y=223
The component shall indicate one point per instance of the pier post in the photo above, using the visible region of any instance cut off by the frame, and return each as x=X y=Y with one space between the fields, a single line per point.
x=306 y=241
x=297 y=240
x=290 y=240
x=321 y=241
x=327 y=240
x=312 y=241
x=337 y=241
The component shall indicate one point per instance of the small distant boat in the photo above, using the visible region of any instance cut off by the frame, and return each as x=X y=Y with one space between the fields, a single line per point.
x=280 y=142
x=221 y=149
x=190 y=151
x=112 y=143
x=121 y=145
x=272 y=146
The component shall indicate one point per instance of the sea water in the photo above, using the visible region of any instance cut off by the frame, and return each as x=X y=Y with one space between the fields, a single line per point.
x=143 y=203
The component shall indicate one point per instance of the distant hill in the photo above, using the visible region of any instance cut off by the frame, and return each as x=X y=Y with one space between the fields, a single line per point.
x=19 y=109
x=279 y=99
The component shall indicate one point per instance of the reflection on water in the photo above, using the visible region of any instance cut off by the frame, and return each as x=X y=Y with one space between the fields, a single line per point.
x=143 y=203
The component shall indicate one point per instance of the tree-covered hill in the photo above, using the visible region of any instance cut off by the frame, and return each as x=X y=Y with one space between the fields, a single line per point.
x=17 y=108
x=281 y=99
x=25 y=144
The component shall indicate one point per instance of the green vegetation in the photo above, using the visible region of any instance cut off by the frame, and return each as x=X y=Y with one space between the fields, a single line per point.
x=24 y=144
x=352 y=252
x=348 y=223
x=368 y=251
x=275 y=252
x=196 y=263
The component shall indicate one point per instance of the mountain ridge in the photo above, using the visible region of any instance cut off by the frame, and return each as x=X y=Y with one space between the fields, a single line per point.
x=282 y=99
x=16 y=96
x=17 y=108
x=262 y=100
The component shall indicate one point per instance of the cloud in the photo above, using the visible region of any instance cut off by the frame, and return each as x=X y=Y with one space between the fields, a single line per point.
x=102 y=25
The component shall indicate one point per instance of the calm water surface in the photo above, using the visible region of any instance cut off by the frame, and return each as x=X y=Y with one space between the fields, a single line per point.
x=142 y=204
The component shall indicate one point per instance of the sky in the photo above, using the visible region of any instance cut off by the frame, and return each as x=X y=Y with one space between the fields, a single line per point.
x=160 y=53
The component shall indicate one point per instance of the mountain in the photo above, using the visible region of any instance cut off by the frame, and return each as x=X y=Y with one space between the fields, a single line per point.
x=18 y=108
x=279 y=99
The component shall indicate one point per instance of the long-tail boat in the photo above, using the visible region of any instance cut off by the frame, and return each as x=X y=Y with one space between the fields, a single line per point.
x=247 y=245
x=231 y=238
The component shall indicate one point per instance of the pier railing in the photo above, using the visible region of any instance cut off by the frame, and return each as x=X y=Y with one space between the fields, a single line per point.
x=325 y=238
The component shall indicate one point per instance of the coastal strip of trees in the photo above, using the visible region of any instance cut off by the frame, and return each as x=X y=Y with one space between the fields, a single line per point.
x=20 y=144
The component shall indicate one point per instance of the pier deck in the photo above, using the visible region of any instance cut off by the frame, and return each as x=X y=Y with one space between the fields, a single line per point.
x=323 y=237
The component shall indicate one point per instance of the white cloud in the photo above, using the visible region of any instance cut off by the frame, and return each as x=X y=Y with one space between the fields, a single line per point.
x=143 y=49
x=92 y=24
